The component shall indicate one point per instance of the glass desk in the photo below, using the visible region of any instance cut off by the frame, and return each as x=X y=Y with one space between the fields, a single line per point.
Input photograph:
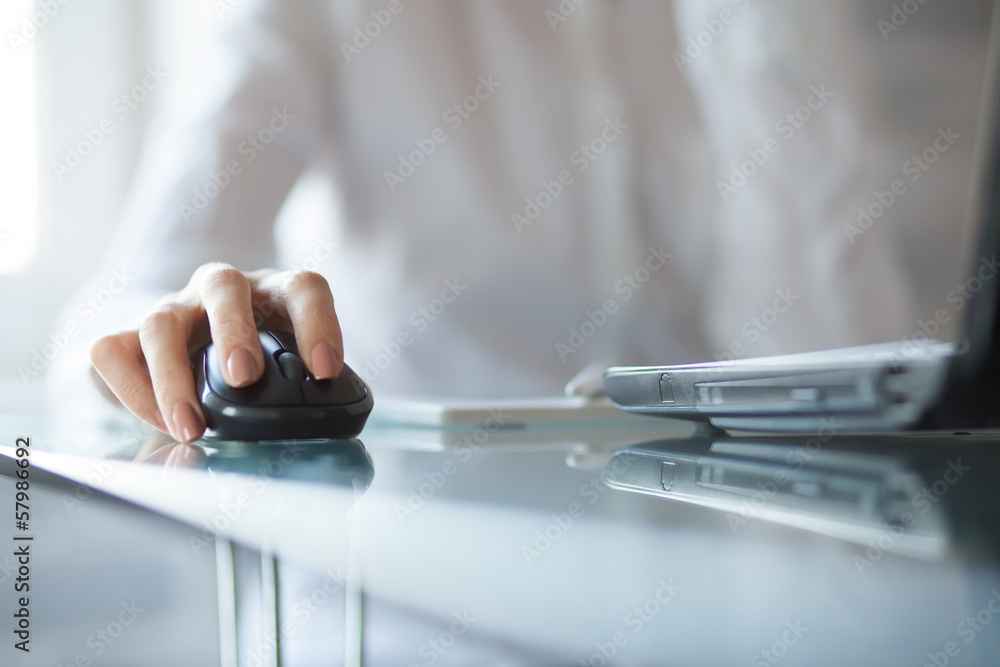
x=639 y=543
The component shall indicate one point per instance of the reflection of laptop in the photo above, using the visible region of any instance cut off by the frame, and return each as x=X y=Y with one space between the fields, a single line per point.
x=841 y=492
x=882 y=387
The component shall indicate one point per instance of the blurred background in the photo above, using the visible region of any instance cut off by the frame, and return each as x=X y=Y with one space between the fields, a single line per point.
x=64 y=68
x=58 y=85
x=59 y=81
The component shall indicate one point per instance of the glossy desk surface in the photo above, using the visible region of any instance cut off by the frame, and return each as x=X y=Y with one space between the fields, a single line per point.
x=818 y=550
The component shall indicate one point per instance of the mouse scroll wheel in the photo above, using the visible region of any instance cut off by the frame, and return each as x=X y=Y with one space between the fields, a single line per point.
x=291 y=367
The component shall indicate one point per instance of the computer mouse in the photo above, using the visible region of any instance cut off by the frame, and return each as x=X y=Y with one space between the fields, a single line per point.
x=287 y=403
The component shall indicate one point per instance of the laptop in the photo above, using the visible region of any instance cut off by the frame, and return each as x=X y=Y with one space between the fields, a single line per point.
x=933 y=385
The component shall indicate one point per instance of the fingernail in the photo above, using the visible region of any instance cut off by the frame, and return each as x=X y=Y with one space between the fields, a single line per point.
x=242 y=367
x=325 y=364
x=186 y=422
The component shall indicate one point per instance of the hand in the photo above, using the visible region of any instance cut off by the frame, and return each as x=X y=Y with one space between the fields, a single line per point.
x=149 y=369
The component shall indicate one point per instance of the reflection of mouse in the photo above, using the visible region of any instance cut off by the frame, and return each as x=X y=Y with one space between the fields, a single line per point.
x=287 y=403
x=328 y=462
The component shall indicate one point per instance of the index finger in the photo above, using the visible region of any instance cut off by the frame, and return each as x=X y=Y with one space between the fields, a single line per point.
x=308 y=302
x=225 y=294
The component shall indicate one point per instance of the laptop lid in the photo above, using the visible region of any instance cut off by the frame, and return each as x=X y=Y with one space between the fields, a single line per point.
x=973 y=381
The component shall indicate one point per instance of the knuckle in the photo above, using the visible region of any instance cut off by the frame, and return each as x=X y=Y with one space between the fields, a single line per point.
x=163 y=318
x=104 y=348
x=209 y=267
x=307 y=281
x=198 y=277
x=224 y=276
x=234 y=327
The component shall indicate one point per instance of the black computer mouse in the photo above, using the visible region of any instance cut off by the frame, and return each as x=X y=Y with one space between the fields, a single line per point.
x=287 y=403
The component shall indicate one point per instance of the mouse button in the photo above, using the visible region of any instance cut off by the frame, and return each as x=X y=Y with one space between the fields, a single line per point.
x=283 y=340
x=272 y=389
x=345 y=389
x=291 y=366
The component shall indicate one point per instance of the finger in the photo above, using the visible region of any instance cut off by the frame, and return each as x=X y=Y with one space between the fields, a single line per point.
x=119 y=361
x=154 y=442
x=186 y=456
x=225 y=294
x=164 y=339
x=308 y=301
x=160 y=453
x=177 y=455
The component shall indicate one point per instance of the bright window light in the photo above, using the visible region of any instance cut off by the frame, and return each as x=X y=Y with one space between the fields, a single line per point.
x=19 y=217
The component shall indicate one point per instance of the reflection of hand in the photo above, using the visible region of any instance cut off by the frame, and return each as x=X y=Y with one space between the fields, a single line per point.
x=178 y=455
x=149 y=368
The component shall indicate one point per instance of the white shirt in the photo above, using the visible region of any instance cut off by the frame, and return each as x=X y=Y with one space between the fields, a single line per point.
x=604 y=130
